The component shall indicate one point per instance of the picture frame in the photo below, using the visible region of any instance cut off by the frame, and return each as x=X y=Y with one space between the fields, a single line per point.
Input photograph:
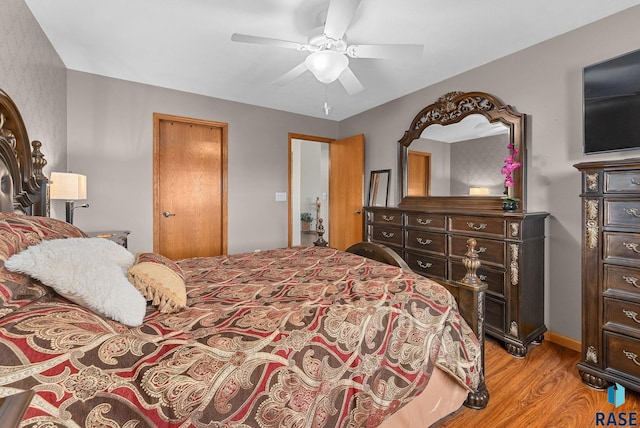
x=379 y=188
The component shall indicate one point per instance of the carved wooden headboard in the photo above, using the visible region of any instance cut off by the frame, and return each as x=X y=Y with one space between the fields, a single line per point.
x=23 y=186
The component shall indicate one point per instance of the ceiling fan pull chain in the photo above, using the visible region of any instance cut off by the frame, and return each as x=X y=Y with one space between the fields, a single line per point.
x=326 y=107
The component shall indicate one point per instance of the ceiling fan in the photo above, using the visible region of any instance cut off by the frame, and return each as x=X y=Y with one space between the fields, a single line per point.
x=330 y=52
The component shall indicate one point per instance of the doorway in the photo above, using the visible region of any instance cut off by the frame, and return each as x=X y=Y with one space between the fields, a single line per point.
x=189 y=187
x=308 y=187
x=341 y=203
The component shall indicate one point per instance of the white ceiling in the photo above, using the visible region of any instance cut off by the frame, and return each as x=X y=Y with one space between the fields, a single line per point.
x=186 y=44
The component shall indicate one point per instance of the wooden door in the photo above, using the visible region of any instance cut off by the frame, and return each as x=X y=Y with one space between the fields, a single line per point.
x=346 y=186
x=418 y=173
x=190 y=187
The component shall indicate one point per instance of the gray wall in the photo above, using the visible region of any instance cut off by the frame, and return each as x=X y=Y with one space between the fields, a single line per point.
x=544 y=81
x=477 y=163
x=110 y=127
x=33 y=75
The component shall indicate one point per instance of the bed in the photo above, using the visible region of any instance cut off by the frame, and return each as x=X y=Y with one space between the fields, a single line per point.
x=289 y=337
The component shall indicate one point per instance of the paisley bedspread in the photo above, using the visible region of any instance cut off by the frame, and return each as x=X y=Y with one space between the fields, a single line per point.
x=296 y=337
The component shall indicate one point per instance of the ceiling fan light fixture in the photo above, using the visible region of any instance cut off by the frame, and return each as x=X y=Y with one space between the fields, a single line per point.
x=326 y=65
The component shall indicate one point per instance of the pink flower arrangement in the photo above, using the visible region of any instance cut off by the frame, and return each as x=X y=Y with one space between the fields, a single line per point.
x=510 y=165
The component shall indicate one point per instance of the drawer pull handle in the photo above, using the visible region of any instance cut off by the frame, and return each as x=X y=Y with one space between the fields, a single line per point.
x=632 y=211
x=635 y=180
x=631 y=246
x=482 y=249
x=424 y=221
x=424 y=265
x=632 y=280
x=388 y=234
x=424 y=241
x=631 y=356
x=631 y=314
x=482 y=277
x=388 y=217
x=481 y=226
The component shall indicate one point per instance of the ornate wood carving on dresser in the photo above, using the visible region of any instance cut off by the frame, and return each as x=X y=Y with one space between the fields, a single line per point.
x=510 y=246
x=610 y=273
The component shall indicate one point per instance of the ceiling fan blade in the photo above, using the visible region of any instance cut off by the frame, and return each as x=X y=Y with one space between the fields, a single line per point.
x=350 y=82
x=339 y=17
x=245 y=38
x=385 y=51
x=291 y=74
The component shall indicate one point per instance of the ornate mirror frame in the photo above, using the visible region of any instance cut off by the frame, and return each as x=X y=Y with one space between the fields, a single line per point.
x=452 y=108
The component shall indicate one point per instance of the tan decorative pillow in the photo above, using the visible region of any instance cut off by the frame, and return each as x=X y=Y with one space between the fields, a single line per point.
x=160 y=280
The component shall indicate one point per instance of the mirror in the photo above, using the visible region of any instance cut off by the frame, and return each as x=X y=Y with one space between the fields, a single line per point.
x=379 y=188
x=470 y=155
x=454 y=152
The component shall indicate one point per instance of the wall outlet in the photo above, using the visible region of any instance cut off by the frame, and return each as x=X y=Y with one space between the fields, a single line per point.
x=281 y=196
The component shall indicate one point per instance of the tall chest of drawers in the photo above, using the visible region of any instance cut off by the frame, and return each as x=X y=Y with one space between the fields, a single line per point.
x=511 y=247
x=610 y=273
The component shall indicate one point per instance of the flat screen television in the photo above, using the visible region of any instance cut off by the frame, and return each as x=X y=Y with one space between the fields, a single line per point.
x=612 y=104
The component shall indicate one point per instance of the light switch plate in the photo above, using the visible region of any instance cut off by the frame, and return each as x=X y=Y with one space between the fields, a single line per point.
x=281 y=196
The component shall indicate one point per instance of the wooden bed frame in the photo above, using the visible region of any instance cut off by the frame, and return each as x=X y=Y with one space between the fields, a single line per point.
x=23 y=164
x=23 y=188
x=469 y=293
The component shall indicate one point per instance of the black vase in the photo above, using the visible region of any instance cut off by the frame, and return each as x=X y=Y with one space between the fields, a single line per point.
x=509 y=205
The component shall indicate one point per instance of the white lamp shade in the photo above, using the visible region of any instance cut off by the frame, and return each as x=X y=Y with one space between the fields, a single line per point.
x=68 y=186
x=326 y=65
x=479 y=191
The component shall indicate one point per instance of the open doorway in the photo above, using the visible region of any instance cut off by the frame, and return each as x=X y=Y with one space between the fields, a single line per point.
x=342 y=210
x=309 y=188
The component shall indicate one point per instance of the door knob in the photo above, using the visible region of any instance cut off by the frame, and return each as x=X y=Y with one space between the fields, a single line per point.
x=357 y=212
x=168 y=214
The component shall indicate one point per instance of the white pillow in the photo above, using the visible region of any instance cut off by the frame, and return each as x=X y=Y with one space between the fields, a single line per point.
x=88 y=271
x=115 y=252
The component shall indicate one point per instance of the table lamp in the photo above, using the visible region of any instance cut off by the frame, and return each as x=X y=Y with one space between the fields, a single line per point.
x=70 y=187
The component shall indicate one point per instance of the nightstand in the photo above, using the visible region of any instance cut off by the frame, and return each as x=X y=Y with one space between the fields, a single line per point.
x=117 y=236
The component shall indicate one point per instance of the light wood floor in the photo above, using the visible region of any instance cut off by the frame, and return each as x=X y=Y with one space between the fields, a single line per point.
x=541 y=390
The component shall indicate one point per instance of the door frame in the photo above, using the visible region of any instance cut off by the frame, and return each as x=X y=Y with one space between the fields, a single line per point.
x=294 y=136
x=157 y=117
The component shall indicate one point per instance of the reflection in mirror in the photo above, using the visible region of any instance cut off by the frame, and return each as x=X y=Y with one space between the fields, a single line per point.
x=379 y=188
x=460 y=159
x=418 y=173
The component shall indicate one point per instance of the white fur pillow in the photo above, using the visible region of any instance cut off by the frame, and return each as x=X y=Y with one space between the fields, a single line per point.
x=88 y=271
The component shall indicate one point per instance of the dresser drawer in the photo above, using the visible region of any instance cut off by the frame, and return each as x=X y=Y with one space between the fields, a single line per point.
x=493 y=277
x=489 y=226
x=426 y=241
x=622 y=354
x=489 y=251
x=384 y=216
x=391 y=235
x=621 y=279
x=625 y=247
x=622 y=181
x=427 y=265
x=622 y=212
x=430 y=221
x=619 y=313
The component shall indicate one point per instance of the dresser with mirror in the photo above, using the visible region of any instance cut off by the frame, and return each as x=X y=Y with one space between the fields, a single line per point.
x=452 y=188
